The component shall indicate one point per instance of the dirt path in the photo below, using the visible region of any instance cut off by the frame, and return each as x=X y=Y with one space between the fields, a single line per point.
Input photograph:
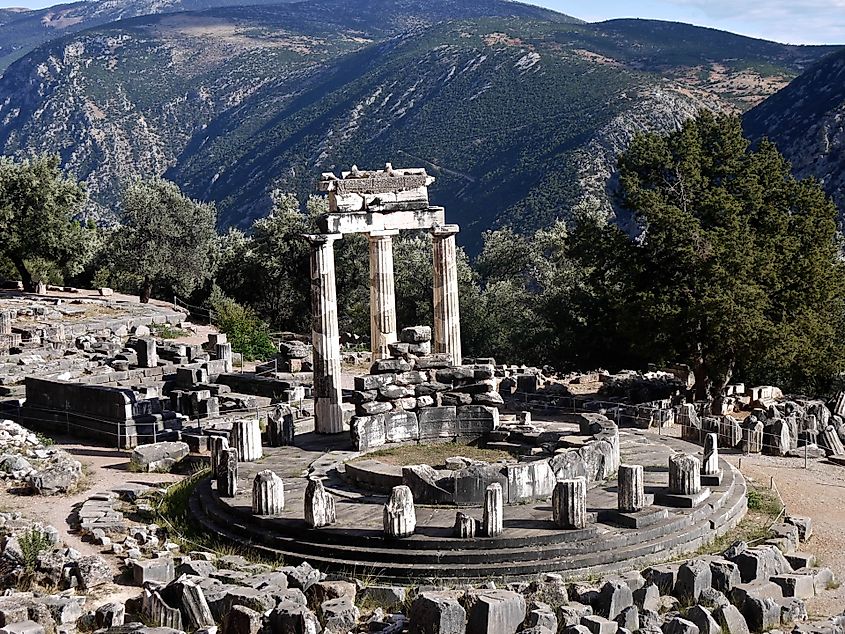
x=817 y=492
x=105 y=468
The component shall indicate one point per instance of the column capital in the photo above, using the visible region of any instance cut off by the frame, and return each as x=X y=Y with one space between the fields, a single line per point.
x=317 y=239
x=382 y=233
x=444 y=231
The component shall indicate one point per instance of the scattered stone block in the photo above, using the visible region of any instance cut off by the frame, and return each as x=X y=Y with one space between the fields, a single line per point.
x=437 y=613
x=494 y=611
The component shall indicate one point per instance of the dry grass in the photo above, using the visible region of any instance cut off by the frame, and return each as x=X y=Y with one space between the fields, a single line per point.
x=434 y=454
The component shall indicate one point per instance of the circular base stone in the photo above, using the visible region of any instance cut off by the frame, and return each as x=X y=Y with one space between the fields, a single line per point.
x=530 y=544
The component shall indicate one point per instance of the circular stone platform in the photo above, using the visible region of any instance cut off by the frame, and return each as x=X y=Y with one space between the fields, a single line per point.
x=530 y=545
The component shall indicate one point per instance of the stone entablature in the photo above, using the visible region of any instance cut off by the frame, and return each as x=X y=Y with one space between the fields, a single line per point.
x=378 y=203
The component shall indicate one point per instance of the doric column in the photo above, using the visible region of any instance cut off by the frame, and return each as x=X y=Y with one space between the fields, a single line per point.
x=382 y=293
x=328 y=415
x=447 y=317
x=493 y=510
x=400 y=517
x=569 y=503
x=631 y=490
x=684 y=474
x=710 y=463
x=268 y=494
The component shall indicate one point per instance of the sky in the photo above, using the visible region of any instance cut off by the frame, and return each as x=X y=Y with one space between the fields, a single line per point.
x=788 y=21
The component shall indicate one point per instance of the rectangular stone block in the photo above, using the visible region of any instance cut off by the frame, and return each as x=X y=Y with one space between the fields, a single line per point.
x=477 y=420
x=368 y=432
x=438 y=422
x=401 y=426
x=373 y=381
x=529 y=481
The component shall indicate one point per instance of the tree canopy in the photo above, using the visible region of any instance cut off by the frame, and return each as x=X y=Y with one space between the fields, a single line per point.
x=38 y=210
x=738 y=265
x=167 y=243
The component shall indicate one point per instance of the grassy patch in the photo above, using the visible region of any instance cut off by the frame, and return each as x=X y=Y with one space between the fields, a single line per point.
x=166 y=331
x=173 y=508
x=764 y=507
x=434 y=454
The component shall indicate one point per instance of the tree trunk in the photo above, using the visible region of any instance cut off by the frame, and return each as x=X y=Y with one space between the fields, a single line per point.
x=717 y=389
x=26 y=276
x=146 y=290
x=702 y=381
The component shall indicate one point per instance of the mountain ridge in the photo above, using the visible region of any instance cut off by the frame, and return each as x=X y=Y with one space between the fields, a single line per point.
x=520 y=116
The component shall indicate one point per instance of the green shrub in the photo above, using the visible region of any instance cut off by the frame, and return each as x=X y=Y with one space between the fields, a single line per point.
x=33 y=542
x=248 y=334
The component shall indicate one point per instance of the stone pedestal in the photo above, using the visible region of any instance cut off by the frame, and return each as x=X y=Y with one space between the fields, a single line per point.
x=684 y=474
x=569 y=503
x=5 y=323
x=752 y=438
x=685 y=488
x=246 y=438
x=268 y=494
x=223 y=351
x=328 y=415
x=631 y=491
x=831 y=442
x=400 y=517
x=319 y=505
x=281 y=428
x=466 y=526
x=447 y=318
x=493 y=510
x=227 y=473
x=217 y=445
x=382 y=293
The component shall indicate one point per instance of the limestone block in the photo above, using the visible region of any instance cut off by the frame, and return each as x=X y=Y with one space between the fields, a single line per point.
x=437 y=613
x=438 y=422
x=703 y=620
x=613 y=597
x=693 y=577
x=477 y=420
x=401 y=426
x=368 y=432
x=494 y=611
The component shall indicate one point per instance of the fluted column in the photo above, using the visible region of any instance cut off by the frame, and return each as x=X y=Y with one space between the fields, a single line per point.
x=631 y=490
x=328 y=415
x=382 y=293
x=710 y=463
x=684 y=474
x=268 y=493
x=493 y=510
x=569 y=503
x=447 y=317
x=5 y=323
x=400 y=516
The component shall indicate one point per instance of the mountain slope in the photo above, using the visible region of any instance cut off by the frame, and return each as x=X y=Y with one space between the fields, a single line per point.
x=807 y=122
x=519 y=111
x=21 y=30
